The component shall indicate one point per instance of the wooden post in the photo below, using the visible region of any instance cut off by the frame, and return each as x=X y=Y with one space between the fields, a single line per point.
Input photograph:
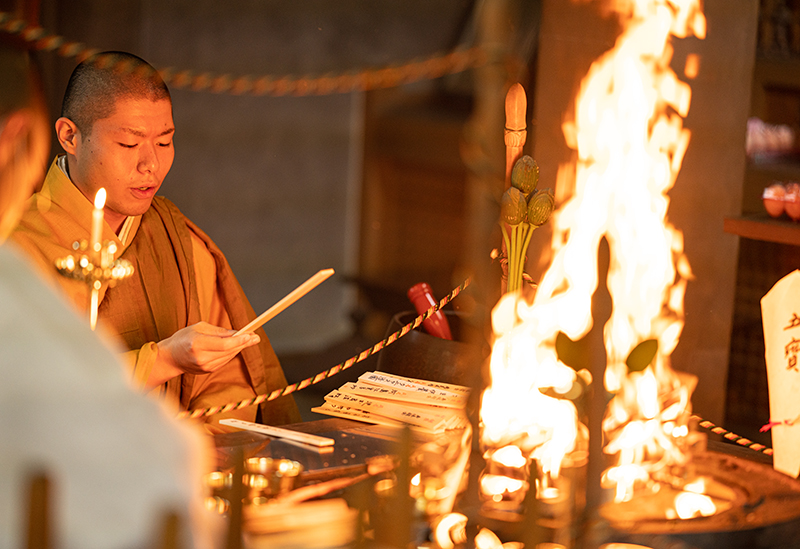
x=39 y=535
x=592 y=527
x=236 y=495
x=483 y=155
x=170 y=532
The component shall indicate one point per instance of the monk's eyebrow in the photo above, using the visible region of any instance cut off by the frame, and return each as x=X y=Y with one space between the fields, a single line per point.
x=137 y=133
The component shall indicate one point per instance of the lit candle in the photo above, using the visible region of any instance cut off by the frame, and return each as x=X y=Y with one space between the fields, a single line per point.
x=94 y=304
x=97 y=221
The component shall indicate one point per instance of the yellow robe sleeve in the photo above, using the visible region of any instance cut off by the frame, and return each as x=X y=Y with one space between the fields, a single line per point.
x=230 y=383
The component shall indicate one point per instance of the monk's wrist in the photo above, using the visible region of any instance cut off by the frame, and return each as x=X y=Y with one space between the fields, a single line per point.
x=164 y=366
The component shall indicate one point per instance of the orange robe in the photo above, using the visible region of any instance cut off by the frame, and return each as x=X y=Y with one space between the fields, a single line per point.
x=180 y=278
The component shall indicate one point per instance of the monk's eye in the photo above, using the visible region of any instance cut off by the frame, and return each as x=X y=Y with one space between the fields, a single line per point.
x=127 y=145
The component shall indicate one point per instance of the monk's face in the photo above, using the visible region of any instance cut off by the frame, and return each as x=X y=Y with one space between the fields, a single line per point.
x=129 y=154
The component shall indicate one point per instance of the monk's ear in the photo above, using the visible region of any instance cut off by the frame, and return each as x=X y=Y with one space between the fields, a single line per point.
x=68 y=134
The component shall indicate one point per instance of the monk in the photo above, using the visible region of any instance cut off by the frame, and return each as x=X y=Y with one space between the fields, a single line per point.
x=117 y=462
x=177 y=312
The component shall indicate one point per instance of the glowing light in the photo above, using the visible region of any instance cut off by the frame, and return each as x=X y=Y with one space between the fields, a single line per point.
x=689 y=505
x=449 y=530
x=692 y=67
x=486 y=539
x=100 y=199
x=510 y=456
x=97 y=224
x=497 y=485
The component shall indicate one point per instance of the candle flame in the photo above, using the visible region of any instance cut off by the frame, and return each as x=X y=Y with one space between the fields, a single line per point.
x=100 y=199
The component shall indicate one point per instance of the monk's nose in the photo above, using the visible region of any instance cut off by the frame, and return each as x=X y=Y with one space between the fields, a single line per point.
x=148 y=159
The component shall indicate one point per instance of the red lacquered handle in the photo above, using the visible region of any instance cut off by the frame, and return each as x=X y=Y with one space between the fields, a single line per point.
x=421 y=296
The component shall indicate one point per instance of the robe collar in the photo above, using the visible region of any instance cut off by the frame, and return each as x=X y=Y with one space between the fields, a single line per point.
x=60 y=189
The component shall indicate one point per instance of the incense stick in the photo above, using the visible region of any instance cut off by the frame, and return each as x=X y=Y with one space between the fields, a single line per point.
x=290 y=298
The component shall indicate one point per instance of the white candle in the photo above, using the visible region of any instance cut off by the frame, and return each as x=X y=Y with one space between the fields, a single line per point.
x=97 y=220
x=94 y=304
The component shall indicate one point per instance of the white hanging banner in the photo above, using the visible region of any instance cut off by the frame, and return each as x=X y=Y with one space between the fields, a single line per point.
x=780 y=314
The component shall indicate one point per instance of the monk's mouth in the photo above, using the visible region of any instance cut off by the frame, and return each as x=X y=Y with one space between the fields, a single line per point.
x=144 y=192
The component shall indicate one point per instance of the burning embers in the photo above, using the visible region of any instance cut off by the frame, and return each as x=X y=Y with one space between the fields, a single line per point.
x=630 y=142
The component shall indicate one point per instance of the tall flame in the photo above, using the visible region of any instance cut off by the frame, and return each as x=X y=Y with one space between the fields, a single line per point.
x=629 y=136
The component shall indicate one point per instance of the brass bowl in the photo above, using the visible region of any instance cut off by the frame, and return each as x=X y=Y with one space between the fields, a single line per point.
x=269 y=477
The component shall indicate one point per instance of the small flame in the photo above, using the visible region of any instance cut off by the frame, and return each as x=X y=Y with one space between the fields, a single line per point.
x=486 y=539
x=692 y=67
x=497 y=485
x=510 y=456
x=100 y=199
x=450 y=530
x=689 y=505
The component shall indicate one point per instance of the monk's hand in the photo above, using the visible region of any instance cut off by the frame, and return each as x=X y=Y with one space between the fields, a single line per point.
x=202 y=348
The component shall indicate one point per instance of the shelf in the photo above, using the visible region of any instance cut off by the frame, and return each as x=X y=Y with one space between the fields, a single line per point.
x=764 y=228
x=777 y=72
x=783 y=167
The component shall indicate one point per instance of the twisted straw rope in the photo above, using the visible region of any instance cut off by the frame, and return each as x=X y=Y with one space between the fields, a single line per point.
x=201 y=412
x=454 y=62
x=733 y=437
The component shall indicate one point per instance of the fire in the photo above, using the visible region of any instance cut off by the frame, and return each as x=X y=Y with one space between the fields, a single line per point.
x=629 y=136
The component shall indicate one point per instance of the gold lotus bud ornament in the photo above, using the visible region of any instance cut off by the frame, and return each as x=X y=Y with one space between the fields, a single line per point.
x=540 y=207
x=513 y=206
x=522 y=210
x=525 y=174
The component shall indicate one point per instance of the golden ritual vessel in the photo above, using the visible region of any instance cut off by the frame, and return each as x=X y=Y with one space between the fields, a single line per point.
x=96 y=265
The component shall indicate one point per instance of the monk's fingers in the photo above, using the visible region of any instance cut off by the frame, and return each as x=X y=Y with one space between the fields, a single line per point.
x=205 y=328
x=202 y=347
x=211 y=361
x=209 y=353
x=213 y=364
x=223 y=343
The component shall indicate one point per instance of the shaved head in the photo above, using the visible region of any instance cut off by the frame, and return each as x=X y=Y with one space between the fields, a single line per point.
x=99 y=82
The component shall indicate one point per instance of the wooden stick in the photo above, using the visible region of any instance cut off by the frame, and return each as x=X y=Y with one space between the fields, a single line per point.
x=290 y=298
x=374 y=467
x=278 y=432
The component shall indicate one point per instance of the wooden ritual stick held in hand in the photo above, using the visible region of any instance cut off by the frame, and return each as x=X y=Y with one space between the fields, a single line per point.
x=290 y=298
x=515 y=130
